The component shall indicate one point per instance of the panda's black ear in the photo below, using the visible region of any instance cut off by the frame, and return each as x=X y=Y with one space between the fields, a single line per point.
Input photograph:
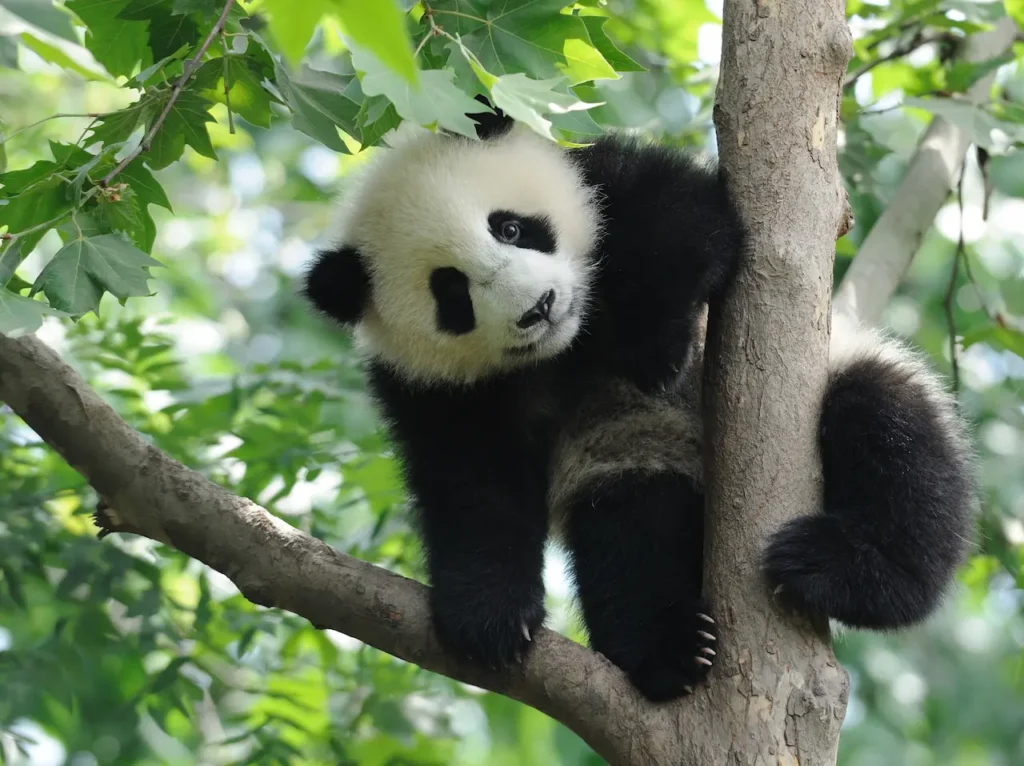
x=338 y=284
x=490 y=125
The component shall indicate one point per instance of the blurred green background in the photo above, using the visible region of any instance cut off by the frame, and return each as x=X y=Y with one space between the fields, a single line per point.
x=125 y=652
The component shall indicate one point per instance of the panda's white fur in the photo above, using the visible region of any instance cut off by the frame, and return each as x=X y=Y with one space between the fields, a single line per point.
x=423 y=203
x=596 y=427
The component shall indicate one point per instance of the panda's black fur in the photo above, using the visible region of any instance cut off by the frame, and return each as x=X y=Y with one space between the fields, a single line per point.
x=602 y=441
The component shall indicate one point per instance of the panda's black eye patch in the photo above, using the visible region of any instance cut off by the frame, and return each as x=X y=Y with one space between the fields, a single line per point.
x=450 y=288
x=531 y=232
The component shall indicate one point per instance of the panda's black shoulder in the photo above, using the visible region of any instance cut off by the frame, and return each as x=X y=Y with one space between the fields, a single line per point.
x=663 y=198
x=621 y=162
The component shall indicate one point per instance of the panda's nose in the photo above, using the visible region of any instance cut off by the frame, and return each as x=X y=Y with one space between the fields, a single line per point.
x=541 y=311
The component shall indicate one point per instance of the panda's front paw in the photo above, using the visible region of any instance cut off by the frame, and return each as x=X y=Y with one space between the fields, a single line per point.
x=491 y=629
x=673 y=663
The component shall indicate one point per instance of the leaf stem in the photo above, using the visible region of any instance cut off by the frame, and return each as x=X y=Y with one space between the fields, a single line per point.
x=190 y=67
x=13 y=237
x=22 y=129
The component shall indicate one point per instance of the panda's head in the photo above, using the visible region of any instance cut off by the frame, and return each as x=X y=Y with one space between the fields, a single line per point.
x=460 y=258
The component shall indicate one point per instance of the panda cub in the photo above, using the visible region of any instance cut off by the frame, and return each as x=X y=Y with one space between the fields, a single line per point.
x=531 y=323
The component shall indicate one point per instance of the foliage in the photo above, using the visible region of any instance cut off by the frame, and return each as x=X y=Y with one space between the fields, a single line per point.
x=139 y=134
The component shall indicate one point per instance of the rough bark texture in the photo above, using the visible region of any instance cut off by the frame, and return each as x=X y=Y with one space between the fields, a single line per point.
x=777 y=693
x=897 y=234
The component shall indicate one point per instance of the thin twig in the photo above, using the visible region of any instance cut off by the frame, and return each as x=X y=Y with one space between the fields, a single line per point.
x=190 y=66
x=948 y=301
x=5 y=139
x=14 y=236
x=435 y=30
x=918 y=40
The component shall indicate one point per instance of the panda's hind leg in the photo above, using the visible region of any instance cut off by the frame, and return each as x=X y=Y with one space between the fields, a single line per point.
x=636 y=544
x=899 y=493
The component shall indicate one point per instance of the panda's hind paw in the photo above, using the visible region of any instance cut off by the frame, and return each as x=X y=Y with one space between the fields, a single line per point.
x=706 y=636
x=667 y=670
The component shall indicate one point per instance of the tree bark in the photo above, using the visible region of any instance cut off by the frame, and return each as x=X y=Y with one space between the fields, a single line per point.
x=778 y=694
x=895 y=238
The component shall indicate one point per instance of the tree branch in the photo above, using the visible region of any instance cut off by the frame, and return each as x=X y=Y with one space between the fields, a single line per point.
x=896 y=236
x=918 y=40
x=276 y=565
x=186 y=72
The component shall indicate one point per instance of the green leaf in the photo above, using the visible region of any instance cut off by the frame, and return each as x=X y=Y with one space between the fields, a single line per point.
x=21 y=314
x=963 y=74
x=292 y=24
x=525 y=36
x=618 y=60
x=144 y=184
x=13 y=582
x=1012 y=292
x=376 y=117
x=321 y=102
x=55 y=55
x=1015 y=10
x=998 y=337
x=117 y=127
x=147 y=192
x=380 y=28
x=142 y=9
x=8 y=53
x=44 y=15
x=11 y=256
x=529 y=100
x=77 y=276
x=185 y=125
x=433 y=100
x=985 y=12
x=246 y=94
x=118 y=44
x=68 y=154
x=206 y=7
x=17 y=285
x=122 y=213
x=982 y=127
x=168 y=31
x=34 y=207
x=1007 y=173
x=17 y=181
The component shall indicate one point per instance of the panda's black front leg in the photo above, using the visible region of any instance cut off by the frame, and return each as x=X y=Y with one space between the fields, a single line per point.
x=484 y=531
x=637 y=548
x=478 y=485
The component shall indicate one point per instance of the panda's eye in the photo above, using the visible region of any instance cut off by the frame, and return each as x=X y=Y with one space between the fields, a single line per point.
x=509 y=231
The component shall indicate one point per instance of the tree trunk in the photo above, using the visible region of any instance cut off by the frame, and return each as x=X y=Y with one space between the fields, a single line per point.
x=778 y=695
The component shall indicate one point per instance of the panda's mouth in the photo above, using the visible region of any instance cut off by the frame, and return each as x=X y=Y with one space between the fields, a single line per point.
x=526 y=350
x=550 y=333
